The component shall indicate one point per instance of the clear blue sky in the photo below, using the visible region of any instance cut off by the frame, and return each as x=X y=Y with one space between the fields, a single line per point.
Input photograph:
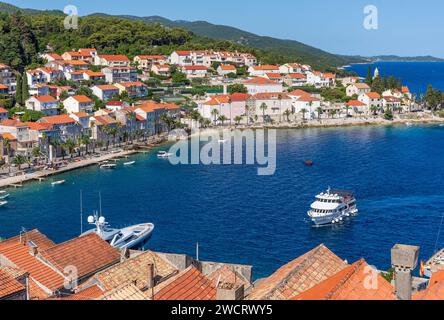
x=406 y=27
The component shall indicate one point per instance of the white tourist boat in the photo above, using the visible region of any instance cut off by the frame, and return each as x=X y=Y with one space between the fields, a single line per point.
x=130 y=163
x=333 y=207
x=56 y=183
x=164 y=154
x=3 y=203
x=133 y=237
x=108 y=166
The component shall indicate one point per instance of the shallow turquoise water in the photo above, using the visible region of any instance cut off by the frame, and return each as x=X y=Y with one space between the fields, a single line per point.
x=240 y=217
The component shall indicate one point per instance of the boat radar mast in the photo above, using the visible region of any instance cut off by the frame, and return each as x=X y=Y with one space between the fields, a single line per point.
x=98 y=221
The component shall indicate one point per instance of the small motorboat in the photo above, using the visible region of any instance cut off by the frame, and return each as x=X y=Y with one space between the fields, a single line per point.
x=133 y=237
x=56 y=183
x=108 y=166
x=3 y=203
x=164 y=154
x=4 y=196
x=129 y=163
x=309 y=163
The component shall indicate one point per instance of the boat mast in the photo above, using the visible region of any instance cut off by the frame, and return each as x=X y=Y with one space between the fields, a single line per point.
x=81 y=212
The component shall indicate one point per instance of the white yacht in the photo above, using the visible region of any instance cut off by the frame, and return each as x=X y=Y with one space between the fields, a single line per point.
x=108 y=166
x=133 y=237
x=333 y=207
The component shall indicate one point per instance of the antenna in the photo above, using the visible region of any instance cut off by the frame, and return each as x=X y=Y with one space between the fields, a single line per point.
x=81 y=212
x=100 y=203
x=439 y=234
x=197 y=251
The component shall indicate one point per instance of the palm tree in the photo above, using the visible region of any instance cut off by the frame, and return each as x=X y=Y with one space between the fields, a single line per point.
x=36 y=154
x=7 y=146
x=263 y=108
x=237 y=120
x=374 y=109
x=70 y=145
x=333 y=112
x=287 y=114
x=303 y=111
x=320 y=111
x=86 y=141
x=19 y=160
x=215 y=113
x=222 y=119
x=347 y=108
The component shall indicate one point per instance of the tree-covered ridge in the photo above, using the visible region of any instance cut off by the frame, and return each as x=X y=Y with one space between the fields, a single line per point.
x=18 y=42
x=23 y=36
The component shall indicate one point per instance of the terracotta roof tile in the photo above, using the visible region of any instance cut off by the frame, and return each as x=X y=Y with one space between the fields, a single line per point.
x=435 y=289
x=90 y=293
x=299 y=275
x=126 y=292
x=189 y=284
x=351 y=283
x=9 y=285
x=135 y=271
x=60 y=119
x=259 y=81
x=88 y=254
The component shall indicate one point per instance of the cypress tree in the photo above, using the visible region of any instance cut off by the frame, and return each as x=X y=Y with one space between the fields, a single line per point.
x=369 y=77
x=18 y=90
x=25 y=89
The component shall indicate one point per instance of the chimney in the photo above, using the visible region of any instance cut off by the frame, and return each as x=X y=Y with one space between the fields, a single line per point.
x=230 y=292
x=150 y=276
x=404 y=261
x=33 y=249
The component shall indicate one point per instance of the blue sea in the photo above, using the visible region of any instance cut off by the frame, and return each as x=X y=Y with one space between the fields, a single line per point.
x=416 y=75
x=237 y=216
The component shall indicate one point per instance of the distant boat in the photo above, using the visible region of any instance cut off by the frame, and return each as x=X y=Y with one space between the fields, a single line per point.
x=309 y=163
x=409 y=124
x=4 y=196
x=56 y=183
x=3 y=203
x=108 y=166
x=129 y=163
x=164 y=154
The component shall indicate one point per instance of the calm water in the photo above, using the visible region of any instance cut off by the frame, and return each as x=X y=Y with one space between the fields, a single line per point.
x=237 y=216
x=417 y=75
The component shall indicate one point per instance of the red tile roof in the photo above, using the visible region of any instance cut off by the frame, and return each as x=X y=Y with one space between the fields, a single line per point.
x=195 y=68
x=373 y=95
x=259 y=81
x=105 y=87
x=38 y=126
x=17 y=249
x=352 y=283
x=114 y=57
x=189 y=284
x=45 y=98
x=271 y=96
x=265 y=67
x=237 y=97
x=89 y=254
x=9 y=285
x=12 y=123
x=60 y=119
x=298 y=93
x=435 y=289
x=299 y=275
x=90 y=293
x=355 y=103
x=8 y=136
x=82 y=99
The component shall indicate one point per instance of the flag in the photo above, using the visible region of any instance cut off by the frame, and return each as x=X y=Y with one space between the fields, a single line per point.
x=421 y=269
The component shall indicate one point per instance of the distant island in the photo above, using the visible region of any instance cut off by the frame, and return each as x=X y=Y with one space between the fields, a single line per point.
x=394 y=58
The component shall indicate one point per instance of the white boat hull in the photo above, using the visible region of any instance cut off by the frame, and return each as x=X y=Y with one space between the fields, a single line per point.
x=332 y=219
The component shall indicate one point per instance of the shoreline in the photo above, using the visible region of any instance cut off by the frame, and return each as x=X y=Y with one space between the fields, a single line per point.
x=20 y=180
x=41 y=176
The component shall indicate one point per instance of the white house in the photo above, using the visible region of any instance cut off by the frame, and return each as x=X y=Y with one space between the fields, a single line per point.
x=357 y=107
x=181 y=58
x=262 y=85
x=271 y=104
x=45 y=104
x=111 y=60
x=163 y=70
x=146 y=62
x=261 y=71
x=320 y=80
x=291 y=68
x=75 y=104
x=371 y=100
x=295 y=79
x=304 y=100
x=105 y=92
x=357 y=89
x=36 y=77
x=225 y=69
x=195 y=71
x=392 y=103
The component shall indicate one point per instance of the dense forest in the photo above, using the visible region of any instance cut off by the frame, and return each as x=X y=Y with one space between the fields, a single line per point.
x=23 y=36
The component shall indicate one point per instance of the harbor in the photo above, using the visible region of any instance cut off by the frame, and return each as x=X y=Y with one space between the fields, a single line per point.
x=204 y=204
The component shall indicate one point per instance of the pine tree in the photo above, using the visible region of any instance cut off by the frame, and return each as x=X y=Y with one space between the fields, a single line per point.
x=25 y=89
x=18 y=91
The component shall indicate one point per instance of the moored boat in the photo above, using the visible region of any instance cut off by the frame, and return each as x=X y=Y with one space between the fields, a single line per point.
x=108 y=166
x=56 y=183
x=3 y=203
x=164 y=154
x=130 y=163
x=333 y=207
x=133 y=237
